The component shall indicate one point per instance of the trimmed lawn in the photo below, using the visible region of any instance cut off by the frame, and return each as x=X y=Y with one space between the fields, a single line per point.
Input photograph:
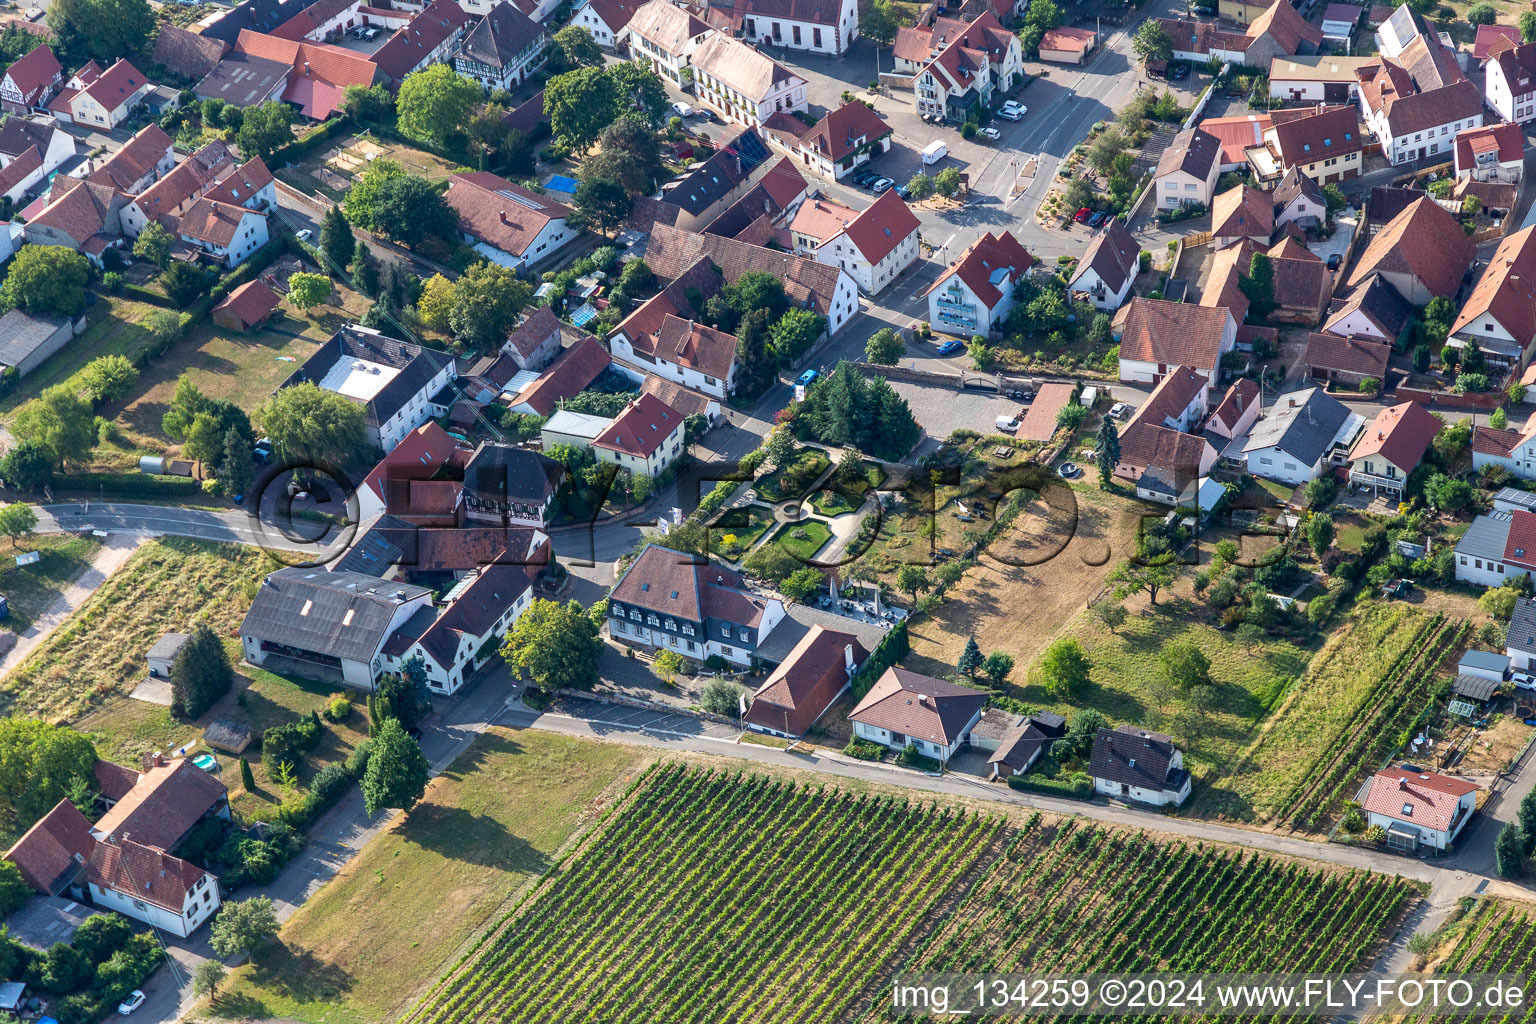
x=816 y=535
x=792 y=480
x=755 y=521
x=166 y=586
x=114 y=329
x=30 y=589
x=383 y=929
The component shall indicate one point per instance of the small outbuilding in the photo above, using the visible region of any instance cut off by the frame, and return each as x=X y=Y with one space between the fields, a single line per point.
x=1474 y=688
x=230 y=737
x=164 y=652
x=247 y=307
x=1484 y=664
x=1068 y=45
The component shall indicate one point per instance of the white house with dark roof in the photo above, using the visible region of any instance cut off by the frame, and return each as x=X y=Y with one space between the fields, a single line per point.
x=1107 y=271
x=1140 y=766
x=457 y=638
x=1520 y=638
x=607 y=20
x=506 y=223
x=670 y=600
x=535 y=342
x=225 y=231
x=816 y=672
x=1187 y=170
x=1499 y=316
x=511 y=486
x=814 y=26
x=1300 y=436
x=906 y=708
x=1156 y=336
x=502 y=49
x=1497 y=547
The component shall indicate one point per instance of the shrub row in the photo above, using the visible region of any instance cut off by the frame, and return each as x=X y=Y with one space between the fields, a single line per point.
x=1078 y=787
x=129 y=485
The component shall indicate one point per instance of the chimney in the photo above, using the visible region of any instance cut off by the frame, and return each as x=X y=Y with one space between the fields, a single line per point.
x=503 y=215
x=848 y=658
x=1293 y=403
x=400 y=594
x=1402 y=782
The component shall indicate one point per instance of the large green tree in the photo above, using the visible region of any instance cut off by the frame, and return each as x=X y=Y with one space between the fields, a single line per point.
x=555 y=645
x=603 y=202
x=337 y=241
x=107 y=378
x=243 y=926
x=306 y=291
x=27 y=465
x=40 y=764
x=46 y=280
x=1064 y=667
x=102 y=30
x=200 y=674
x=1151 y=42
x=575 y=48
x=154 y=244
x=17 y=520
x=640 y=90
x=580 y=104
x=629 y=153
x=311 y=426
x=397 y=772
x=435 y=103
x=59 y=422
x=404 y=207
x=1107 y=450
x=880 y=22
x=265 y=129
x=486 y=302
x=1185 y=665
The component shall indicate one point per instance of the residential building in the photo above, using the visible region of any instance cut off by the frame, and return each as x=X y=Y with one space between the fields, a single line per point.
x=1510 y=84
x=1067 y=45
x=1492 y=40
x=815 y=26
x=1373 y=309
x=456 y=639
x=1241 y=11
x=1107 y=271
x=607 y=20
x=1179 y=401
x=81 y=215
x=1242 y=212
x=1418 y=808
x=1520 y=637
x=433 y=36
x=1187 y=170
x=329 y=625
x=1392 y=447
x=502 y=49
x=742 y=84
x=818 y=670
x=567 y=376
x=1280 y=31
x=225 y=231
x=1136 y=765
x=875 y=246
x=975 y=295
x=1402 y=29
x=645 y=438
x=962 y=66
x=396 y=382
x=1235 y=414
x=1422 y=252
x=1491 y=153
x=666 y=36
x=1166 y=465
x=316 y=80
x=1497 y=546
x=102 y=100
x=243 y=80
x=423 y=457
x=177 y=189
x=1303 y=434
x=1325 y=143
x=321 y=21
x=836 y=145
x=535 y=342
x=30 y=82
x=1340 y=21
x=663 y=337
x=1236 y=135
x=1023 y=743
x=1337 y=359
x=1201 y=41
x=684 y=400
x=808 y=284
x=1326 y=78
x=26 y=340
x=1499 y=316
x=31 y=150
x=1299 y=200
x=141 y=161
x=1416 y=102
x=574 y=428
x=505 y=222
x=907 y=709
x=511 y=486
x=185 y=53
x=1302 y=283
x=1157 y=336
x=670 y=600
x=718 y=182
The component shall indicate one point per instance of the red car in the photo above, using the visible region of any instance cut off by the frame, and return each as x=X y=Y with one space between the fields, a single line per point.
x=1083 y=215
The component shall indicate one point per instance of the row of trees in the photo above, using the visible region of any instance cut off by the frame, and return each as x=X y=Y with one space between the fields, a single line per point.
x=845 y=409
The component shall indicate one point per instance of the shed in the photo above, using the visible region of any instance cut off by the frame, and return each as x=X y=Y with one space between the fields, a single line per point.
x=1485 y=664
x=1478 y=688
x=12 y=995
x=230 y=737
x=994 y=728
x=246 y=307
x=26 y=341
x=164 y=652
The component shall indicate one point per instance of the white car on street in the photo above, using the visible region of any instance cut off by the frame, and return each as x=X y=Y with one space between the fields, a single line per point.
x=133 y=1002
x=682 y=109
x=991 y=134
x=1012 y=111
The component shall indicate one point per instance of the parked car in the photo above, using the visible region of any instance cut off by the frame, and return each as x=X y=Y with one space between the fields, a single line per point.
x=305 y=235
x=261 y=452
x=1335 y=260
x=1018 y=393
x=1179 y=70
x=1118 y=411
x=1082 y=215
x=949 y=348
x=1204 y=11
x=1012 y=111
x=903 y=191
x=990 y=133
x=133 y=1002
x=1097 y=219
x=1523 y=680
x=682 y=109
x=807 y=378
x=881 y=184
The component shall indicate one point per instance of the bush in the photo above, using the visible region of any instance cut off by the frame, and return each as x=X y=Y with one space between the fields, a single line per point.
x=285 y=742
x=339 y=709
x=1078 y=786
x=1369 y=385
x=330 y=782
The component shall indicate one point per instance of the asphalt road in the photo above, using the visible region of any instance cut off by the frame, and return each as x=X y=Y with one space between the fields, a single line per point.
x=303 y=538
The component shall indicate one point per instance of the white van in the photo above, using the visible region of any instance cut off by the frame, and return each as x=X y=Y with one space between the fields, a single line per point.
x=1007 y=424
x=934 y=152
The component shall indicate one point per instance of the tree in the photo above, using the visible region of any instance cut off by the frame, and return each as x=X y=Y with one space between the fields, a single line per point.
x=247 y=779
x=947 y=182
x=200 y=674
x=17 y=520
x=1447 y=494
x=107 y=379
x=435 y=103
x=802 y=584
x=1185 y=665
x=372 y=104
x=971 y=660
x=28 y=465
x=885 y=347
x=402 y=696
x=1509 y=851
x=310 y=426
x=154 y=244
x=1482 y=14
x=668 y=665
x=1527 y=23
x=1109 y=145
x=1106 y=446
x=880 y=22
x=1526 y=818
x=580 y=104
x=337 y=242
x=1259 y=286
x=436 y=302
x=46 y=280
x=920 y=187
x=630 y=154
x=555 y=645
x=397 y=772
x=912 y=578
x=1063 y=668
x=576 y=48
x=603 y=202
x=14 y=890
x=59 y=422
x=1132 y=577
x=39 y=765
x=404 y=207
x=184 y=282
x=306 y=291
x=795 y=332
x=103 y=30
x=1111 y=613
x=779 y=447
x=639 y=89
x=721 y=697
x=207 y=977
x=486 y=302
x=1320 y=532
x=755 y=368
x=998 y=667
x=1151 y=42
x=243 y=926
x=265 y=129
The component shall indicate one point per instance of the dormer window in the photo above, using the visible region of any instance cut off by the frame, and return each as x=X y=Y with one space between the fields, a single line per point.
x=672 y=625
x=725 y=632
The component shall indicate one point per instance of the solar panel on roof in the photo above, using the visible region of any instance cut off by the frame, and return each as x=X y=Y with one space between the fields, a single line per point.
x=519 y=199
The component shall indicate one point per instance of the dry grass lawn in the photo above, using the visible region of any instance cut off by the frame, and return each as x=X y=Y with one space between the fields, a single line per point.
x=383 y=929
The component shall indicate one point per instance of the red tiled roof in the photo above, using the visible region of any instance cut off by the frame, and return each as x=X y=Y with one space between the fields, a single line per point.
x=672 y=251
x=245 y=181
x=1316 y=135
x=187 y=53
x=533 y=332
x=1172 y=396
x=1148 y=445
x=1113 y=255
x=800 y=690
x=918 y=706
x=1283 y=23
x=1401 y=434
x=1075 y=39
x=1520 y=545
x=1242 y=211
x=35 y=70
x=500 y=213
x=115 y=781
x=1505 y=138
x=884 y=225
x=692 y=344
x=643 y=426
x=1507 y=290
x=1423 y=241
x=989 y=255
x=673 y=582
x=1237 y=134
x=684 y=400
x=213 y=222
x=821 y=219
x=165 y=803
x=1493 y=38
x=148 y=873
x=1432 y=797
x=615 y=13
x=137 y=158
x=1365 y=356
x=252 y=302
x=77 y=208
x=844 y=130
x=1494 y=441
x=1174 y=333
x=13 y=173
x=52 y=847
x=117 y=85
x=413 y=45
x=784 y=183
x=321 y=73
x=1238 y=400
x=573 y=370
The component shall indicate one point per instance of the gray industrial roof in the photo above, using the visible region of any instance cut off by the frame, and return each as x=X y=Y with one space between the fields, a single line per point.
x=22 y=334
x=342 y=614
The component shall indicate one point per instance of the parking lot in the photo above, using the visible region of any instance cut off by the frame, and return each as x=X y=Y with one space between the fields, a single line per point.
x=606 y=717
x=942 y=411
